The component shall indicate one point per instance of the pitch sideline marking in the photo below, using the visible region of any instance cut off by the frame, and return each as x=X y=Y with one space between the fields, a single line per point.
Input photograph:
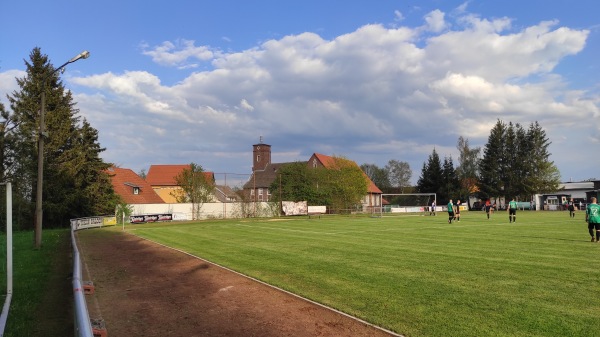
x=274 y=287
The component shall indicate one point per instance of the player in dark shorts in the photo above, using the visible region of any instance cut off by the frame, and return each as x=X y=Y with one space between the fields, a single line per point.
x=488 y=208
x=457 y=211
x=571 y=206
x=450 y=211
x=512 y=210
x=592 y=217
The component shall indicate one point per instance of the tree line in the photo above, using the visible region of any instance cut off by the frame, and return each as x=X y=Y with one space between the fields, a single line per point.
x=515 y=162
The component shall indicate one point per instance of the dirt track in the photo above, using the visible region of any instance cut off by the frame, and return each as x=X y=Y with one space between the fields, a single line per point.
x=144 y=289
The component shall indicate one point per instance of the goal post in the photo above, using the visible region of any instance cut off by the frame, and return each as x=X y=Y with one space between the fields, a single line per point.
x=406 y=202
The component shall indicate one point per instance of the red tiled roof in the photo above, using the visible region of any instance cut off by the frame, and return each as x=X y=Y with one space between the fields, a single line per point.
x=328 y=162
x=164 y=175
x=124 y=180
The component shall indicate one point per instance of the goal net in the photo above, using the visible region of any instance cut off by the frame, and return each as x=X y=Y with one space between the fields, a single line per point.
x=394 y=204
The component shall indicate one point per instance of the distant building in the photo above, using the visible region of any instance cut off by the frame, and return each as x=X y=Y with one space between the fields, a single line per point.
x=581 y=192
x=132 y=188
x=162 y=180
x=225 y=193
x=264 y=173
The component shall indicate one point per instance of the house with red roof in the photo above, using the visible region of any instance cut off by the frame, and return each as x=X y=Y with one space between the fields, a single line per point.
x=162 y=180
x=264 y=173
x=131 y=187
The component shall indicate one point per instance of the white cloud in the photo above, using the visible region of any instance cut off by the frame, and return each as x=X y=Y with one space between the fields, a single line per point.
x=178 y=53
x=435 y=21
x=376 y=92
x=398 y=16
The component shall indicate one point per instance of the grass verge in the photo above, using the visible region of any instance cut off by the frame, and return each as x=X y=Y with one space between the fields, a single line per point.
x=42 y=293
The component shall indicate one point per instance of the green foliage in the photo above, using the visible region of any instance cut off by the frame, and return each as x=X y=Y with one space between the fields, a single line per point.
x=295 y=182
x=196 y=188
x=467 y=170
x=122 y=212
x=451 y=187
x=379 y=176
x=341 y=186
x=467 y=282
x=432 y=176
x=399 y=174
x=75 y=183
x=344 y=183
x=516 y=162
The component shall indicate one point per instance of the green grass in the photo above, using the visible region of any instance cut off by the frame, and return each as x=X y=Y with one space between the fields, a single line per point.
x=41 y=298
x=419 y=275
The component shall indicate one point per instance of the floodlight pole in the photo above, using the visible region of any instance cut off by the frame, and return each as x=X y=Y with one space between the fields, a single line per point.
x=40 y=170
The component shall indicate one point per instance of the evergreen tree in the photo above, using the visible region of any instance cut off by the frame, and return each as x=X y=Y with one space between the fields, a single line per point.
x=450 y=189
x=543 y=176
x=510 y=172
x=492 y=165
x=75 y=181
x=516 y=163
x=431 y=179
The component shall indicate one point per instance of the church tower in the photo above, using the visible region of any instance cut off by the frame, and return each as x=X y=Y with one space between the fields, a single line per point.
x=262 y=156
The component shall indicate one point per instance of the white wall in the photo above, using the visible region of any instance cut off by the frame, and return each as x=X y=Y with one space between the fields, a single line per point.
x=215 y=210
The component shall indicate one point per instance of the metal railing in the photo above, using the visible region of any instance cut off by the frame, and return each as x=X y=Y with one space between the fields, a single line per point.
x=83 y=325
x=9 y=259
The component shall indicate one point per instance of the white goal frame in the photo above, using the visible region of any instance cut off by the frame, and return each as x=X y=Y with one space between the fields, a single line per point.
x=403 y=194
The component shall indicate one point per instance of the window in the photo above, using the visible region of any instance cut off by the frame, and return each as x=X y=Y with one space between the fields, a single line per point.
x=136 y=190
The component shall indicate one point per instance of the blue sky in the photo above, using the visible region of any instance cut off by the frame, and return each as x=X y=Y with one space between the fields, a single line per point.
x=201 y=81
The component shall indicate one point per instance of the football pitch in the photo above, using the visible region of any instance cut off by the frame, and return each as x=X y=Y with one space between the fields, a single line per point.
x=417 y=275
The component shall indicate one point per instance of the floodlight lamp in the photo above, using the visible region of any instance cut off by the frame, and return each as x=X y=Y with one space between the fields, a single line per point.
x=83 y=55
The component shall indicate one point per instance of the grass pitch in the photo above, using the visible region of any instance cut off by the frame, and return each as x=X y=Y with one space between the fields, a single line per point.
x=418 y=275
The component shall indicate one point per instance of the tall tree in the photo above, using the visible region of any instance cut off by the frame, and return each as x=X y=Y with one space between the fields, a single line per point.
x=399 y=174
x=450 y=187
x=379 y=176
x=196 y=188
x=516 y=163
x=468 y=168
x=71 y=153
x=510 y=171
x=493 y=164
x=543 y=176
x=431 y=179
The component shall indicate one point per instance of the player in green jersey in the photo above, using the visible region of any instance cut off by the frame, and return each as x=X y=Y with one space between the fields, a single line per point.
x=450 y=211
x=592 y=217
x=512 y=210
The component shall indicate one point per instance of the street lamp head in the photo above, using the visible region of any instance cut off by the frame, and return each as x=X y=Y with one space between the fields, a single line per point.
x=83 y=55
